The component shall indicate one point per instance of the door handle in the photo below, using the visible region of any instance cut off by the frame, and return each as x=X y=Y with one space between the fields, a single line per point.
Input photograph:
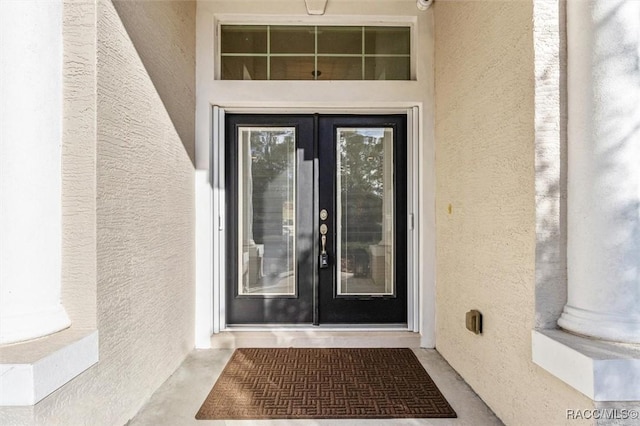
x=323 y=262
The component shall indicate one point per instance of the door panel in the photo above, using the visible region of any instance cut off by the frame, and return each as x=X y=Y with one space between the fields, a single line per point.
x=281 y=170
x=362 y=163
x=269 y=219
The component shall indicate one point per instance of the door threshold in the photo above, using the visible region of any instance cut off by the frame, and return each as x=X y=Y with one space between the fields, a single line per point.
x=322 y=327
x=315 y=337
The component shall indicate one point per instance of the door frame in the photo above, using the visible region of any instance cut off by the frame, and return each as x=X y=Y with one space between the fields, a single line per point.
x=249 y=310
x=211 y=233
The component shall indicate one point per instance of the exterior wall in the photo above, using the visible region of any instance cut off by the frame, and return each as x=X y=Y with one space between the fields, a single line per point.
x=145 y=208
x=485 y=208
x=79 y=164
x=143 y=239
x=550 y=41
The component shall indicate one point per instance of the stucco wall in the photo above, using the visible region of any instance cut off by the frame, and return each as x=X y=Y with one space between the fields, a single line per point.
x=79 y=164
x=145 y=207
x=485 y=208
x=134 y=240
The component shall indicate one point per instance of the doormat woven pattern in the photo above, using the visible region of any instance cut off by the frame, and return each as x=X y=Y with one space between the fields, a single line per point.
x=296 y=383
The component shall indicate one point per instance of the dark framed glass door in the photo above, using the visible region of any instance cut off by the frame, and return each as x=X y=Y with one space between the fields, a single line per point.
x=362 y=185
x=316 y=219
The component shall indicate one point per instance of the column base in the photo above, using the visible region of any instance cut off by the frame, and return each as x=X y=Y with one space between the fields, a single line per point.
x=611 y=327
x=32 y=325
x=30 y=371
x=603 y=371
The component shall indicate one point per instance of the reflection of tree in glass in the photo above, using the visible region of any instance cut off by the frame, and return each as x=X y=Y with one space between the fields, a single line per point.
x=361 y=160
x=273 y=170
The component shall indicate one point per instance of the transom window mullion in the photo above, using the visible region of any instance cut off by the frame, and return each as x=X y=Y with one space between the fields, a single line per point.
x=321 y=55
x=363 y=53
x=268 y=52
x=315 y=53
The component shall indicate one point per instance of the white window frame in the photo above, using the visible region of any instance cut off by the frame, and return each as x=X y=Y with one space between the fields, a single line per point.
x=314 y=21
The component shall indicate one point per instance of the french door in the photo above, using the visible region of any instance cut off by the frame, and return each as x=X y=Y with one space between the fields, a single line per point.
x=316 y=219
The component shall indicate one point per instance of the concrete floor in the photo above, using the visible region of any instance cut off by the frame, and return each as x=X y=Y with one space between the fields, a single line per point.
x=180 y=397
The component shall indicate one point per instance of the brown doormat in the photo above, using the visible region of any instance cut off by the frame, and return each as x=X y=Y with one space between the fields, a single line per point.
x=293 y=383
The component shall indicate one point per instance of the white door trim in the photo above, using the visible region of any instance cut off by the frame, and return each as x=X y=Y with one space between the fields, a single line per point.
x=211 y=256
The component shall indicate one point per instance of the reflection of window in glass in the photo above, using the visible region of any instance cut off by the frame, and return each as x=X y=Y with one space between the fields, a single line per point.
x=280 y=52
x=266 y=181
x=365 y=211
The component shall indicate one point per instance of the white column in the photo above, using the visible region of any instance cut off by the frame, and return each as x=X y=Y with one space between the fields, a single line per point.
x=30 y=169
x=603 y=251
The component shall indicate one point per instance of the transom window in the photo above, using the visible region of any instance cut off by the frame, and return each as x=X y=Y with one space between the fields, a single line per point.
x=280 y=52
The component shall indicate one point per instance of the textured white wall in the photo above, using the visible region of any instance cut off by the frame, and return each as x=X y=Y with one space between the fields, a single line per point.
x=145 y=207
x=145 y=213
x=549 y=38
x=79 y=280
x=486 y=241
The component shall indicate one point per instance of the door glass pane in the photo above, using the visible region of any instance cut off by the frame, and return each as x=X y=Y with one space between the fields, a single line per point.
x=290 y=39
x=339 y=68
x=267 y=228
x=387 y=40
x=387 y=68
x=287 y=68
x=243 y=39
x=244 y=68
x=365 y=194
x=343 y=40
